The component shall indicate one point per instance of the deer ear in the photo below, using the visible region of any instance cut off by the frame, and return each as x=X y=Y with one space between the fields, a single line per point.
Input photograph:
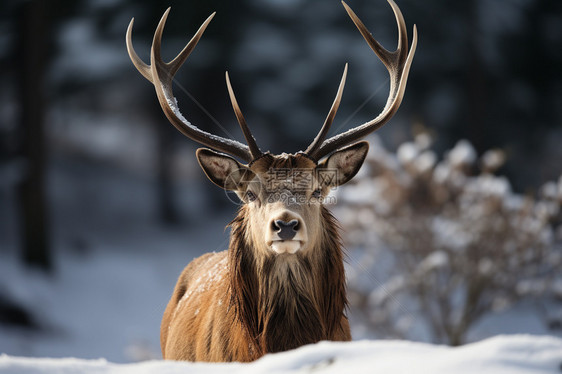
x=343 y=164
x=221 y=169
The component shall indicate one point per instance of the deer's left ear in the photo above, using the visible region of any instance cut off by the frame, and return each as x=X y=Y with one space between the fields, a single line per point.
x=221 y=169
x=345 y=163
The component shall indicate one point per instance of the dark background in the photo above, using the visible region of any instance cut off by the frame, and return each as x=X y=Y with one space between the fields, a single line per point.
x=75 y=114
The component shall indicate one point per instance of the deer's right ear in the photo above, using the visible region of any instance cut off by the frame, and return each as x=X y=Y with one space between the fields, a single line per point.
x=221 y=169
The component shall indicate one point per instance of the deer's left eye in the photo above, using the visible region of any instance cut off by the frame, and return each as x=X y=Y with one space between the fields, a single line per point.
x=251 y=196
x=317 y=193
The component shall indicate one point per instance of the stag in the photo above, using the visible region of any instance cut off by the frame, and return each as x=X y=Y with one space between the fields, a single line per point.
x=281 y=283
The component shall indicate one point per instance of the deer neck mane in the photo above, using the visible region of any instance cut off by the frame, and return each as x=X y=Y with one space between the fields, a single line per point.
x=284 y=303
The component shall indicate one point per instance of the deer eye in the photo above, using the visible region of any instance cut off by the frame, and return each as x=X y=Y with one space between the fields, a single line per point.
x=251 y=196
x=317 y=193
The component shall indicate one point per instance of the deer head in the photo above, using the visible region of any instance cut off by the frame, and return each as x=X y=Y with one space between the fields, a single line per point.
x=282 y=193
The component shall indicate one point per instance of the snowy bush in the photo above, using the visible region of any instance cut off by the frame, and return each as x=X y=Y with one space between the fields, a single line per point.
x=442 y=243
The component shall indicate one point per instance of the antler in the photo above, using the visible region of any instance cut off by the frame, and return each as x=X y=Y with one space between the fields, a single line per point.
x=398 y=65
x=161 y=75
x=317 y=142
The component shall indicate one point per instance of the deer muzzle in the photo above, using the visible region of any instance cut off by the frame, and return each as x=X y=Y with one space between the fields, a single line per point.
x=286 y=233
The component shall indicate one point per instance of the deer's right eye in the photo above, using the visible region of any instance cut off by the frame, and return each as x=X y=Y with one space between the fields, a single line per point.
x=251 y=196
x=317 y=193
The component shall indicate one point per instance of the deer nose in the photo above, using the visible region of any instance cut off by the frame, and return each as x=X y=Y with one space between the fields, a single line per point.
x=286 y=230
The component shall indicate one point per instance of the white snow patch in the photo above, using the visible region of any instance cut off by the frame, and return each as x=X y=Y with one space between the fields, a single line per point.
x=493 y=159
x=437 y=259
x=407 y=152
x=515 y=354
x=462 y=154
x=173 y=104
x=425 y=162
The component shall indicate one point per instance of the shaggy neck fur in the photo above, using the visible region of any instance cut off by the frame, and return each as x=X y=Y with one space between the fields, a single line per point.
x=284 y=303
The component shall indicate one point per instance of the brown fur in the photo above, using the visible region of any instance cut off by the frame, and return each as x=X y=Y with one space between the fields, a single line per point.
x=240 y=304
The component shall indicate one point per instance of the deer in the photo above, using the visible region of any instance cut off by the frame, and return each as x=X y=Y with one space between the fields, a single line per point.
x=281 y=282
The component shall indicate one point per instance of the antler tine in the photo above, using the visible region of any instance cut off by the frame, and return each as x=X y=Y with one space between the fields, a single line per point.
x=161 y=75
x=254 y=149
x=313 y=147
x=398 y=64
x=143 y=68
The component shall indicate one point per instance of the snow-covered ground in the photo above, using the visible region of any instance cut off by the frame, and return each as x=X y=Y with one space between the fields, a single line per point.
x=513 y=354
x=116 y=268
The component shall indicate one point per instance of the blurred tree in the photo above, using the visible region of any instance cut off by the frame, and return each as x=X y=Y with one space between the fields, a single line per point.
x=458 y=245
x=31 y=62
x=487 y=72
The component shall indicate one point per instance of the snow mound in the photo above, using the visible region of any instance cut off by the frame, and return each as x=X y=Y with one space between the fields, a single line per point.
x=513 y=354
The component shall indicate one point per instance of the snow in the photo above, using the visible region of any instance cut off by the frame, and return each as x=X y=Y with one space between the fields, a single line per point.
x=407 y=152
x=173 y=104
x=425 y=162
x=513 y=354
x=493 y=159
x=462 y=154
x=202 y=284
x=435 y=260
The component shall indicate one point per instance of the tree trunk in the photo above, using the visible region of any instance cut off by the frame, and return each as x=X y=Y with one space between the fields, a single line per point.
x=30 y=65
x=167 y=209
